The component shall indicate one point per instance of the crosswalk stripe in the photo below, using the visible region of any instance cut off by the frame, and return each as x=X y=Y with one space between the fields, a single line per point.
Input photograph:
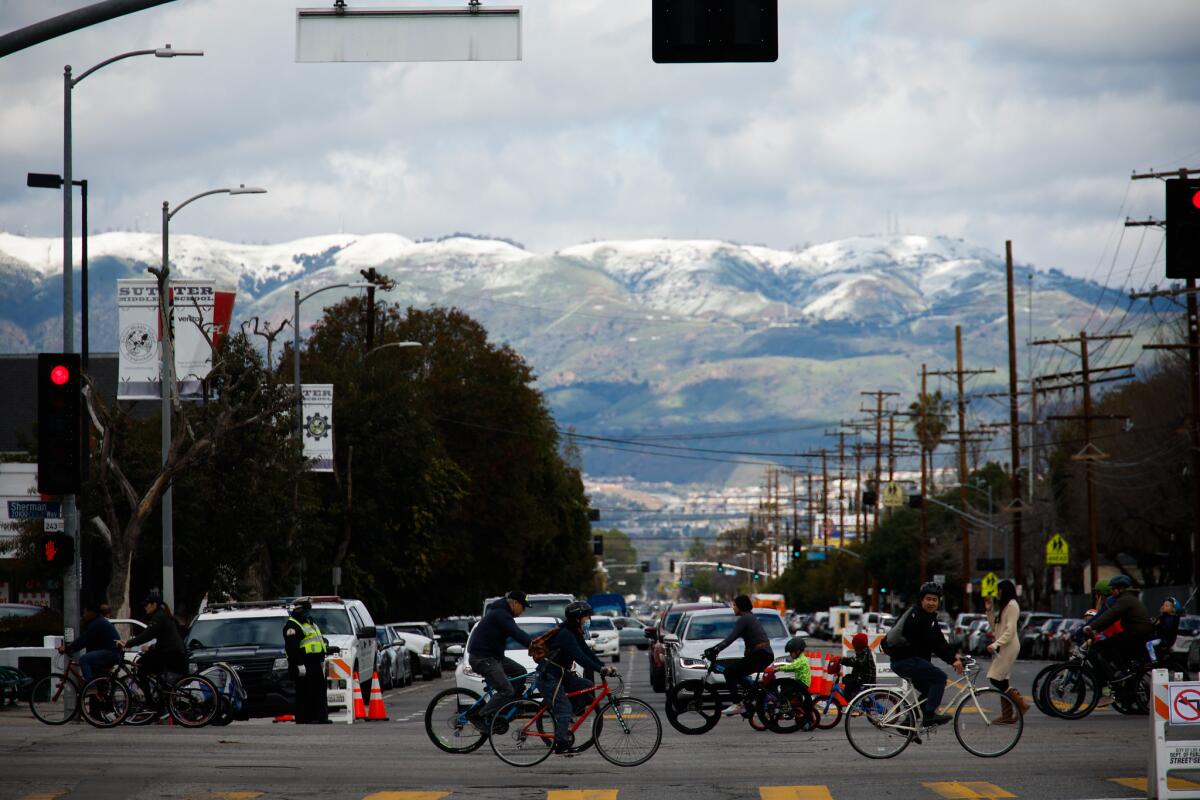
x=44 y=794
x=794 y=793
x=581 y=794
x=407 y=796
x=1141 y=784
x=968 y=790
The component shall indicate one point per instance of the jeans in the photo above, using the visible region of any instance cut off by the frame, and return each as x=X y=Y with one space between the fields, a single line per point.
x=554 y=690
x=496 y=673
x=928 y=680
x=98 y=660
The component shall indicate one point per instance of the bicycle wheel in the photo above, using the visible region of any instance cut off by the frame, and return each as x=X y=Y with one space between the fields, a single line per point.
x=55 y=699
x=193 y=701
x=446 y=721
x=978 y=726
x=626 y=732
x=1071 y=691
x=693 y=707
x=104 y=702
x=522 y=733
x=142 y=711
x=1036 y=691
x=880 y=724
x=828 y=712
x=787 y=708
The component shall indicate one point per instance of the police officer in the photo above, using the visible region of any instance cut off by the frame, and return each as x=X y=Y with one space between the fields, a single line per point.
x=306 y=648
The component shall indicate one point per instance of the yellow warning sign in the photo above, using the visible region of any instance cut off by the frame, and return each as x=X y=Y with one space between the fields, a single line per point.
x=991 y=585
x=1058 y=552
x=893 y=496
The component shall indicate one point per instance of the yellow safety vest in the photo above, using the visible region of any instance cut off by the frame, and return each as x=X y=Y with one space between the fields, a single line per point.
x=312 y=642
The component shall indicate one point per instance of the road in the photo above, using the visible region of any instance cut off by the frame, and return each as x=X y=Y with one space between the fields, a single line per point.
x=1103 y=756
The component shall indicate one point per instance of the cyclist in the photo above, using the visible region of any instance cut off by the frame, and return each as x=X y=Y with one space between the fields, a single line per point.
x=100 y=638
x=556 y=677
x=799 y=667
x=757 y=657
x=167 y=653
x=913 y=646
x=1114 y=653
x=861 y=664
x=485 y=653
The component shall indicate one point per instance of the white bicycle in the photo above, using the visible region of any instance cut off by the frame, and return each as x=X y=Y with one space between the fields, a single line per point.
x=881 y=721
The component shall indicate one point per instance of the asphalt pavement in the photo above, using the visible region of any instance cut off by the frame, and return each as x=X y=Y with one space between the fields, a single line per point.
x=1103 y=756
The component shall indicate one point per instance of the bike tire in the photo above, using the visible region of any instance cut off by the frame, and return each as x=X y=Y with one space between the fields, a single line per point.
x=693 y=707
x=627 y=731
x=827 y=711
x=1036 y=691
x=879 y=725
x=193 y=701
x=446 y=723
x=976 y=726
x=522 y=733
x=104 y=702
x=1071 y=691
x=54 y=699
x=787 y=708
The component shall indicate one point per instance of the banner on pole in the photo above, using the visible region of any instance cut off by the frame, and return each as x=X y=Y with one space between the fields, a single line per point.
x=222 y=314
x=317 y=401
x=192 y=317
x=138 y=341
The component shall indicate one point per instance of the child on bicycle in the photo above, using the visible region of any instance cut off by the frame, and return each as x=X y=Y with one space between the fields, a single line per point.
x=861 y=664
x=799 y=667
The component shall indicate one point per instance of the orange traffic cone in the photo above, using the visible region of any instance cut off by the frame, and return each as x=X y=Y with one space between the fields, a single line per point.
x=284 y=718
x=359 y=711
x=375 y=710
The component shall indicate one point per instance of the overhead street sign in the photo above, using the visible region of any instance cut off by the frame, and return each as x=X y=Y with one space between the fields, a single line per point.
x=990 y=586
x=482 y=33
x=1058 y=552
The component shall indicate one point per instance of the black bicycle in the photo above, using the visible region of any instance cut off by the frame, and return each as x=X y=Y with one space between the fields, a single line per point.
x=137 y=697
x=783 y=706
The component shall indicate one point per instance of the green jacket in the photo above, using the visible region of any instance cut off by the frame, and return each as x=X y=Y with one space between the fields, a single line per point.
x=800 y=669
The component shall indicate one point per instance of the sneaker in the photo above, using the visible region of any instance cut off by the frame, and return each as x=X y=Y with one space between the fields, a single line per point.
x=933 y=720
x=563 y=749
x=734 y=710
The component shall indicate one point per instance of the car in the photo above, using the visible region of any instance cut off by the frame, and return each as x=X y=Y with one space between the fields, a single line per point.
x=945 y=628
x=1064 y=640
x=666 y=623
x=631 y=632
x=541 y=605
x=962 y=624
x=604 y=638
x=249 y=638
x=346 y=624
x=704 y=628
x=395 y=667
x=978 y=637
x=1189 y=630
x=424 y=651
x=1029 y=625
x=1040 y=648
x=821 y=626
x=467 y=678
x=453 y=643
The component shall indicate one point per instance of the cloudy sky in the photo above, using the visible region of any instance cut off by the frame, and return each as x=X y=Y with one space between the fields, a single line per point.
x=1019 y=119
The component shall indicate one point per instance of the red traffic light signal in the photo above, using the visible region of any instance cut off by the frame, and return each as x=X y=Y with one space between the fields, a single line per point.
x=59 y=435
x=59 y=375
x=1183 y=228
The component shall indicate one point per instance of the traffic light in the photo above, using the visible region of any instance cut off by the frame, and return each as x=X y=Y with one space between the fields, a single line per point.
x=645 y=566
x=593 y=515
x=710 y=31
x=672 y=566
x=56 y=551
x=720 y=567
x=58 y=423
x=916 y=501
x=1183 y=228
x=870 y=498
x=597 y=545
x=755 y=577
x=797 y=549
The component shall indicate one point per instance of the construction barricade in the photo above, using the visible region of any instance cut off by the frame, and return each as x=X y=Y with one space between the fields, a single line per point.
x=1174 y=768
x=340 y=682
x=883 y=666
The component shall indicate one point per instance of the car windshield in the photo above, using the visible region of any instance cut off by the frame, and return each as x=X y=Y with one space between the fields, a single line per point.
x=718 y=627
x=443 y=625
x=333 y=621
x=237 y=631
x=417 y=629
x=548 y=607
x=601 y=624
x=1190 y=624
x=671 y=621
x=534 y=629
x=452 y=635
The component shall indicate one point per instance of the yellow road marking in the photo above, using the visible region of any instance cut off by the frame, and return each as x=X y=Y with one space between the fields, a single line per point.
x=407 y=796
x=1140 y=784
x=227 y=796
x=794 y=793
x=968 y=790
x=44 y=794
x=581 y=794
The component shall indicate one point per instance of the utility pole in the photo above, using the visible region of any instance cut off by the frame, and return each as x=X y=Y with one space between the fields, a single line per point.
x=924 y=482
x=880 y=396
x=841 y=488
x=1014 y=419
x=811 y=512
x=372 y=277
x=824 y=497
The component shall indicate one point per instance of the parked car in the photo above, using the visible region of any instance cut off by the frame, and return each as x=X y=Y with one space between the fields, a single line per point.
x=704 y=628
x=452 y=633
x=249 y=638
x=1029 y=626
x=1189 y=630
x=979 y=636
x=666 y=623
x=424 y=651
x=962 y=623
x=346 y=624
x=467 y=678
x=1064 y=639
x=631 y=632
x=395 y=668
x=604 y=638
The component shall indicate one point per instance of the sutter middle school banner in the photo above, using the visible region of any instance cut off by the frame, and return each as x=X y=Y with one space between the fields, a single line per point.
x=137 y=339
x=318 y=425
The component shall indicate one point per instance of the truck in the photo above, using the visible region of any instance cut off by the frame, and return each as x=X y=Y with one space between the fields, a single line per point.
x=775 y=601
x=609 y=604
x=841 y=617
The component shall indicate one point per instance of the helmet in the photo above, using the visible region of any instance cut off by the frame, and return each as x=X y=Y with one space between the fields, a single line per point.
x=859 y=641
x=929 y=587
x=1174 y=601
x=1102 y=586
x=576 y=611
x=1091 y=612
x=796 y=644
x=1120 y=582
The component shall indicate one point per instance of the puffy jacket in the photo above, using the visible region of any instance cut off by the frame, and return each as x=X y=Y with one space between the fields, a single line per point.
x=1129 y=611
x=497 y=627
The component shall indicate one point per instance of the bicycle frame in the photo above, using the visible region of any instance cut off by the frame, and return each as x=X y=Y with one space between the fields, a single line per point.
x=603 y=692
x=489 y=693
x=911 y=700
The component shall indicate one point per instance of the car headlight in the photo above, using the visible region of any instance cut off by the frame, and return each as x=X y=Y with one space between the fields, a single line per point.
x=279 y=664
x=191 y=667
x=692 y=663
x=427 y=650
x=470 y=673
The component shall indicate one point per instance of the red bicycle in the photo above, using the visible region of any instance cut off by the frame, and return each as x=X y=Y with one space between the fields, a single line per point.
x=625 y=730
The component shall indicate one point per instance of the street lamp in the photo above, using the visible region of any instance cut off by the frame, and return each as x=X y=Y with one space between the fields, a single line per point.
x=167 y=383
x=392 y=344
x=72 y=579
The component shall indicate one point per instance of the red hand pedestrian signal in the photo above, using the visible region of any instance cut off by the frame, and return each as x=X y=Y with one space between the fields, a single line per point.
x=51 y=550
x=60 y=375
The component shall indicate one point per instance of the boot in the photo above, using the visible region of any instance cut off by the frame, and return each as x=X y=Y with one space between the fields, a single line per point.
x=1021 y=702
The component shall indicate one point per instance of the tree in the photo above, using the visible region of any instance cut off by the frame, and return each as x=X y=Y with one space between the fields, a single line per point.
x=930 y=415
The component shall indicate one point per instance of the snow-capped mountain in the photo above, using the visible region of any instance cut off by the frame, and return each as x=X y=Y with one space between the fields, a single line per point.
x=626 y=336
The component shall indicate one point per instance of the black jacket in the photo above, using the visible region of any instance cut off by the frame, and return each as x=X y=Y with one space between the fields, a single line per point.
x=861 y=665
x=923 y=638
x=162 y=628
x=568 y=648
x=99 y=634
x=496 y=627
x=1130 y=612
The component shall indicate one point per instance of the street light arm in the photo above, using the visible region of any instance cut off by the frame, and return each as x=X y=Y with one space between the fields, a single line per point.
x=107 y=61
x=180 y=207
x=323 y=289
x=391 y=344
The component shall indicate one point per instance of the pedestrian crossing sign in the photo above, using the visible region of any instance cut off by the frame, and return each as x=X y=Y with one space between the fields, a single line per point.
x=893 y=496
x=1058 y=552
x=991 y=585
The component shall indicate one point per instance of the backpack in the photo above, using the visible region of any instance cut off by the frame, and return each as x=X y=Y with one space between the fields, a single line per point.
x=894 y=638
x=539 y=648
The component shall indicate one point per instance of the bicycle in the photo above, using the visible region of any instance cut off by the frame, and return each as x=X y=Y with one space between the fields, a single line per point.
x=1074 y=689
x=522 y=732
x=881 y=721
x=191 y=700
x=447 y=717
x=54 y=699
x=694 y=706
x=828 y=708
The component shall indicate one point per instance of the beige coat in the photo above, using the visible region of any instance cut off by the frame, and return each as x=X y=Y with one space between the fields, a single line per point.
x=1009 y=644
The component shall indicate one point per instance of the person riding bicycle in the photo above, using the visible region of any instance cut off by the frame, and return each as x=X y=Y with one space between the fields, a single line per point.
x=485 y=654
x=100 y=638
x=556 y=677
x=913 y=646
x=757 y=657
x=167 y=653
x=861 y=664
x=1166 y=630
x=1113 y=654
x=799 y=667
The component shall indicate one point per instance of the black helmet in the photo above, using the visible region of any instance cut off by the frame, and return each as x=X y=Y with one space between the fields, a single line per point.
x=576 y=611
x=929 y=587
x=796 y=644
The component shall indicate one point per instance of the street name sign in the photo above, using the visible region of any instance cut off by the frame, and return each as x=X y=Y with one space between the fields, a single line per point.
x=467 y=33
